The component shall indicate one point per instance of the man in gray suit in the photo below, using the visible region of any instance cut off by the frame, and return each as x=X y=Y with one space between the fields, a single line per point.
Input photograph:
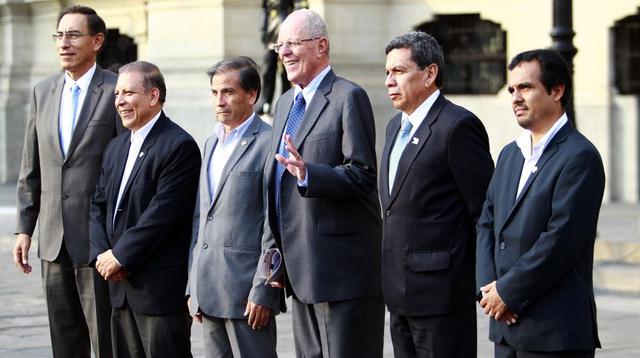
x=323 y=209
x=229 y=219
x=71 y=121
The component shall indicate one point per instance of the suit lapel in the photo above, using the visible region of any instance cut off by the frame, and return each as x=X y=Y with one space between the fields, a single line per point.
x=548 y=153
x=412 y=149
x=94 y=92
x=392 y=133
x=120 y=155
x=206 y=185
x=244 y=142
x=54 y=109
x=318 y=102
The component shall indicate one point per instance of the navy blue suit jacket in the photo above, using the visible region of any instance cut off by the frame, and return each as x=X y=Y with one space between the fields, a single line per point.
x=539 y=247
x=152 y=231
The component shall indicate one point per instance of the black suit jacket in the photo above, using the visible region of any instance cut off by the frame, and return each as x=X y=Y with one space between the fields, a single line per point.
x=152 y=231
x=330 y=233
x=539 y=247
x=428 y=253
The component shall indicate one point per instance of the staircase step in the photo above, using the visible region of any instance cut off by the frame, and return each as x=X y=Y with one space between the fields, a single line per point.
x=617 y=277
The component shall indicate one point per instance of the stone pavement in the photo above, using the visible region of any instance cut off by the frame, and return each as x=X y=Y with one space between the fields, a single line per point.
x=24 y=331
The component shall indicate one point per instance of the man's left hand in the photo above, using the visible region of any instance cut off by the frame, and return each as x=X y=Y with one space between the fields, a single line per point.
x=294 y=164
x=258 y=316
x=493 y=305
x=108 y=266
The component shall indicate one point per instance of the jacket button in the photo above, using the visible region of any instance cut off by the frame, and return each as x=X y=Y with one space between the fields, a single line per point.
x=205 y=246
x=64 y=196
x=65 y=166
x=502 y=245
x=209 y=218
x=387 y=213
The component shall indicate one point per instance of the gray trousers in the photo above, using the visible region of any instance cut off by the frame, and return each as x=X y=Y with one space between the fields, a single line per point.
x=350 y=328
x=78 y=307
x=229 y=338
x=137 y=335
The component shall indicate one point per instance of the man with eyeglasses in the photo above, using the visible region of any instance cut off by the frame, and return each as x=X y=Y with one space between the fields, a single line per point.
x=72 y=119
x=323 y=211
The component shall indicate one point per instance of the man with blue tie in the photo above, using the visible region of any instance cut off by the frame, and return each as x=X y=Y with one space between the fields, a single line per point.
x=72 y=119
x=435 y=170
x=323 y=212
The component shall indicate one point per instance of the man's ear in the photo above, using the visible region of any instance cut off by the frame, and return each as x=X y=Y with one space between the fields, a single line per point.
x=98 y=42
x=323 y=46
x=155 y=96
x=557 y=92
x=430 y=74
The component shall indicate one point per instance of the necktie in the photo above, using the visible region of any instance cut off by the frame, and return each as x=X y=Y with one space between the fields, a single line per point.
x=293 y=122
x=396 y=152
x=69 y=126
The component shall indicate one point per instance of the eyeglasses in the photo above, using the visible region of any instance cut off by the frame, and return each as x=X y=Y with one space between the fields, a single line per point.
x=292 y=44
x=71 y=35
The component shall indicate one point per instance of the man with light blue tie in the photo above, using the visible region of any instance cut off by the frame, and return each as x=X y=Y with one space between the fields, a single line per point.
x=435 y=170
x=72 y=119
x=323 y=212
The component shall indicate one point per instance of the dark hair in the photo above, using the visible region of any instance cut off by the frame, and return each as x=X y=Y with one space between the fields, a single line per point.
x=425 y=50
x=247 y=69
x=151 y=76
x=95 y=22
x=554 y=70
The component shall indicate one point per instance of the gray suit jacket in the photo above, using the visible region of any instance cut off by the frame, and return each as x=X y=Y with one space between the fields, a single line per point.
x=330 y=233
x=54 y=190
x=228 y=229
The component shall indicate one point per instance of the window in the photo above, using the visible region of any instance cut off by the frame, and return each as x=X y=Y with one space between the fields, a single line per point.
x=626 y=54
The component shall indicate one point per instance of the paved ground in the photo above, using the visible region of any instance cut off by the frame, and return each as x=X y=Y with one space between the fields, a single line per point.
x=24 y=329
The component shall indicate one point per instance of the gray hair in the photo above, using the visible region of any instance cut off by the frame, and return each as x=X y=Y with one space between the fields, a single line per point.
x=151 y=76
x=425 y=50
x=313 y=25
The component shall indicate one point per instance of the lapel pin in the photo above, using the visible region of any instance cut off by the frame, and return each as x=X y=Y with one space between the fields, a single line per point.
x=141 y=155
x=243 y=143
x=535 y=169
x=415 y=140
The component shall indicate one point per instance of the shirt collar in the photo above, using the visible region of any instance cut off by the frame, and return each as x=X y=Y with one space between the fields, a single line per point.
x=524 y=140
x=235 y=132
x=421 y=112
x=82 y=82
x=311 y=88
x=141 y=134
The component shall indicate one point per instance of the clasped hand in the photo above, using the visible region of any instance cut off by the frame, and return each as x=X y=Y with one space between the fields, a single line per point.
x=109 y=268
x=493 y=305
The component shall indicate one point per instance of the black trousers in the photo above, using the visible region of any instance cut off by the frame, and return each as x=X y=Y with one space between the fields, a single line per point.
x=78 y=307
x=451 y=335
x=505 y=351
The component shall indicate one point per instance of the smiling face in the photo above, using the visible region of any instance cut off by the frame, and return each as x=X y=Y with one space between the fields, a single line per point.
x=135 y=105
x=534 y=107
x=79 y=55
x=407 y=85
x=232 y=103
x=305 y=61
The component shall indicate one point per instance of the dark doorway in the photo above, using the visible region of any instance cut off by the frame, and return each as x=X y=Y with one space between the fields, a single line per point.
x=118 y=51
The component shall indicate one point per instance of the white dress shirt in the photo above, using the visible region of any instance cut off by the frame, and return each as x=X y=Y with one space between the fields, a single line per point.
x=532 y=155
x=420 y=113
x=225 y=146
x=65 y=123
x=137 y=139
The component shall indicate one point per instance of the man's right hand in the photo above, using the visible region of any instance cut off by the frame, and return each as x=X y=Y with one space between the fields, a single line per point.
x=21 y=252
x=198 y=316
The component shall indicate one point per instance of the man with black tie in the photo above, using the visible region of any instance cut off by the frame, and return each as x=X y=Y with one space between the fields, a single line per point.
x=72 y=119
x=141 y=220
x=229 y=221
x=538 y=224
x=435 y=170
x=323 y=211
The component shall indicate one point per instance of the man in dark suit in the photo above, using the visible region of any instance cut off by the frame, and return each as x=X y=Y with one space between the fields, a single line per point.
x=72 y=119
x=229 y=220
x=141 y=219
x=435 y=170
x=323 y=210
x=538 y=225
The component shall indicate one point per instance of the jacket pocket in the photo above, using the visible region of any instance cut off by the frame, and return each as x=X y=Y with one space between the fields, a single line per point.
x=420 y=261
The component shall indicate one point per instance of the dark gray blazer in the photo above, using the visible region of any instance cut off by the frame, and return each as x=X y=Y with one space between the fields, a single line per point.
x=539 y=247
x=330 y=232
x=53 y=190
x=228 y=229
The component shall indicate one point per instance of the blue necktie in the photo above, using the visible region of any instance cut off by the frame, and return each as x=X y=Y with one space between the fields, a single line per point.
x=396 y=152
x=293 y=122
x=65 y=138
